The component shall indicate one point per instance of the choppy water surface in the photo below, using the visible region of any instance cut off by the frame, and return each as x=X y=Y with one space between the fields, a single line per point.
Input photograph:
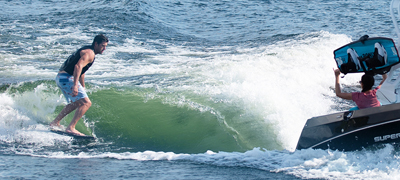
x=185 y=90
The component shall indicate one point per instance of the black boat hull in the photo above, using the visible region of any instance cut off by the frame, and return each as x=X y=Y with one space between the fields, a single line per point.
x=352 y=130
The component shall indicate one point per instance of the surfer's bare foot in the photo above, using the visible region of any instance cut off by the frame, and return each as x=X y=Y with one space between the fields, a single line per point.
x=57 y=126
x=74 y=131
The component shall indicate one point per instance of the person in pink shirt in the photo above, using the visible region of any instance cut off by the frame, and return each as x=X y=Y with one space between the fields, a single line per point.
x=364 y=99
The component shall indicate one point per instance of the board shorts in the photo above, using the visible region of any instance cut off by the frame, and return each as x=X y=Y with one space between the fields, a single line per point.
x=65 y=82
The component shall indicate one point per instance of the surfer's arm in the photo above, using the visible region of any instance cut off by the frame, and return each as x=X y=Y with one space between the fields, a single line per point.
x=82 y=80
x=338 y=91
x=384 y=77
x=87 y=57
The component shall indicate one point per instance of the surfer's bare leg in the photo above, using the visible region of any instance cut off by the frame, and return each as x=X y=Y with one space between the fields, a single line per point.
x=82 y=106
x=66 y=110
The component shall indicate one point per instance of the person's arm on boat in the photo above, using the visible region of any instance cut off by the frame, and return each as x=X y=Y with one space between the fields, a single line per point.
x=338 y=91
x=384 y=77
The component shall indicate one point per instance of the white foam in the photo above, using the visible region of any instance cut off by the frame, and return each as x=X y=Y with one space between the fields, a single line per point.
x=319 y=164
x=22 y=119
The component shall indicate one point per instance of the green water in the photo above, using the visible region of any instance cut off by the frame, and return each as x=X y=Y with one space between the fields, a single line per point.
x=143 y=119
x=129 y=121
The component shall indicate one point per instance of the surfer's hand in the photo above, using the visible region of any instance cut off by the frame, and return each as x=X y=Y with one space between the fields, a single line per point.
x=74 y=91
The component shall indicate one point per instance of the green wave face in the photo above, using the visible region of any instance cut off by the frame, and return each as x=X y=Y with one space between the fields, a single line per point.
x=128 y=120
x=141 y=119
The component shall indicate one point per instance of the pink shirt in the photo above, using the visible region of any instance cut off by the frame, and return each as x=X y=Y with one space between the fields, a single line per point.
x=366 y=100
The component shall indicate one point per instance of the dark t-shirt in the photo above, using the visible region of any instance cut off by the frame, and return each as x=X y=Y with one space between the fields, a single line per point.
x=69 y=65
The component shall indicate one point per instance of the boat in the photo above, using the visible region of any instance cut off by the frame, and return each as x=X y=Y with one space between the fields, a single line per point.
x=352 y=130
x=364 y=128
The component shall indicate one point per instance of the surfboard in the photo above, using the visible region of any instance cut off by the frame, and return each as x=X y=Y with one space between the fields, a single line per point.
x=375 y=55
x=72 y=135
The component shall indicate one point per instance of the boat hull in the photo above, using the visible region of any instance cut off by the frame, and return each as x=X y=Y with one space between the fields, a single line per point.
x=352 y=130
